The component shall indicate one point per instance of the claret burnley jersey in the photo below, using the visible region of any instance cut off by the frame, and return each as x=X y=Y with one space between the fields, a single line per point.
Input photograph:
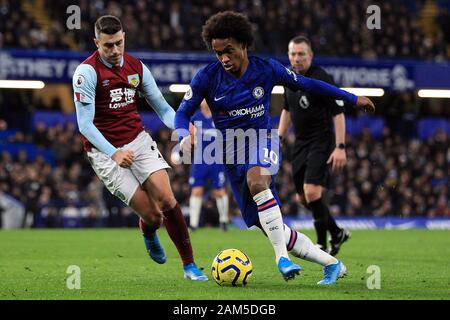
x=114 y=90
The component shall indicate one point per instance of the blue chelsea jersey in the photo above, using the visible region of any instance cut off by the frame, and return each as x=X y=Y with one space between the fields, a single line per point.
x=244 y=103
x=207 y=123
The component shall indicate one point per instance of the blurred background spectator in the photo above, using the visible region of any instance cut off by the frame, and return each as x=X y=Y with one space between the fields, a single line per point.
x=410 y=28
x=389 y=176
x=399 y=171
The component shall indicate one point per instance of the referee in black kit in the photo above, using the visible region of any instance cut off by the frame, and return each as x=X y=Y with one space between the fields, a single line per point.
x=316 y=147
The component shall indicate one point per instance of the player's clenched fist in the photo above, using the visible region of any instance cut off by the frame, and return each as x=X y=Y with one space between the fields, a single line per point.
x=123 y=158
x=365 y=104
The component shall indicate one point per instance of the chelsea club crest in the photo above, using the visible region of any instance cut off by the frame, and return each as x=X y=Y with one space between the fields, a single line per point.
x=258 y=92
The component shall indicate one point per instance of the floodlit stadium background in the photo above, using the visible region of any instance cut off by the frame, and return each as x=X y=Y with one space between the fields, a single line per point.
x=398 y=169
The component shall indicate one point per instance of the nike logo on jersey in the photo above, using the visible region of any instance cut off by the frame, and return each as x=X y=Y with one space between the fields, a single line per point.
x=217 y=99
x=269 y=222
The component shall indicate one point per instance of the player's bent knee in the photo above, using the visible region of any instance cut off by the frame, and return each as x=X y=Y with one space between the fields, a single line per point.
x=153 y=214
x=155 y=219
x=312 y=193
x=310 y=197
x=166 y=202
x=218 y=193
x=256 y=187
x=197 y=192
x=303 y=202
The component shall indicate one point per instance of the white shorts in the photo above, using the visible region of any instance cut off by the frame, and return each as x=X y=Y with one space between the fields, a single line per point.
x=123 y=182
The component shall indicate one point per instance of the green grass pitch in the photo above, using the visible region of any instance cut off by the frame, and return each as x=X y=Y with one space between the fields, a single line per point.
x=414 y=264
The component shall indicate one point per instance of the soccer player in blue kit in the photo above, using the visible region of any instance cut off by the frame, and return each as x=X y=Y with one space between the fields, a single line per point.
x=203 y=173
x=237 y=89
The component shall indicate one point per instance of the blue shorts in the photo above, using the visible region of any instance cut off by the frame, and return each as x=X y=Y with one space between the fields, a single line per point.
x=268 y=156
x=207 y=174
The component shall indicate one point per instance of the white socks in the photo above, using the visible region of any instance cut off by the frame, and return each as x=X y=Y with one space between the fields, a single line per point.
x=272 y=222
x=195 y=206
x=282 y=237
x=302 y=247
x=222 y=207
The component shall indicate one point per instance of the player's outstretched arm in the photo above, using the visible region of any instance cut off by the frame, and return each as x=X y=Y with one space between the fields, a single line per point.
x=365 y=104
x=155 y=98
x=322 y=88
x=317 y=87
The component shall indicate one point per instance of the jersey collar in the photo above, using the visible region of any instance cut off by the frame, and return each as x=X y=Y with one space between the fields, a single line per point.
x=109 y=65
x=245 y=75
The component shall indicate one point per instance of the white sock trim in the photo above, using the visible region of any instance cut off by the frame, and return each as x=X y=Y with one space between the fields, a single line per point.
x=263 y=196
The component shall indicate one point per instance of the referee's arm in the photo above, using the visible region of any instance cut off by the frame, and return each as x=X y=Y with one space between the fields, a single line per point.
x=285 y=120
x=339 y=129
x=338 y=158
x=337 y=108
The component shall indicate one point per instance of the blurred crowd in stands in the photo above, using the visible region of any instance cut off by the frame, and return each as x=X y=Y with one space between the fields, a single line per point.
x=68 y=189
x=390 y=176
x=395 y=174
x=336 y=27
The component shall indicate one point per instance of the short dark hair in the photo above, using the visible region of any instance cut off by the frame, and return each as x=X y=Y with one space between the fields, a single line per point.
x=107 y=24
x=228 y=24
x=301 y=39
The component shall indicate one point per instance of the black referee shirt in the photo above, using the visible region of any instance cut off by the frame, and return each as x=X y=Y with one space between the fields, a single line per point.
x=312 y=115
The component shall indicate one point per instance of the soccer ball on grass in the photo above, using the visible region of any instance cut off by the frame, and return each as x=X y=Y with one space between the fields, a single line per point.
x=231 y=267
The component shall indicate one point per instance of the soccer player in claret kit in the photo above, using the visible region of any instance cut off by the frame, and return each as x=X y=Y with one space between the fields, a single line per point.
x=121 y=152
x=237 y=89
x=316 y=145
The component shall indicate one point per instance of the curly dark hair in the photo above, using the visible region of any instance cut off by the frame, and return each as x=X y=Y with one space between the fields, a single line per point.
x=228 y=24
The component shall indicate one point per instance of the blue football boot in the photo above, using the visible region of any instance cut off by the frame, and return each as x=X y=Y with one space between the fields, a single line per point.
x=288 y=269
x=155 y=249
x=192 y=272
x=333 y=272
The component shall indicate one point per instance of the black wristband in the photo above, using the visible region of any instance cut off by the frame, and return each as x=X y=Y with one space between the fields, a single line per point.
x=340 y=146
